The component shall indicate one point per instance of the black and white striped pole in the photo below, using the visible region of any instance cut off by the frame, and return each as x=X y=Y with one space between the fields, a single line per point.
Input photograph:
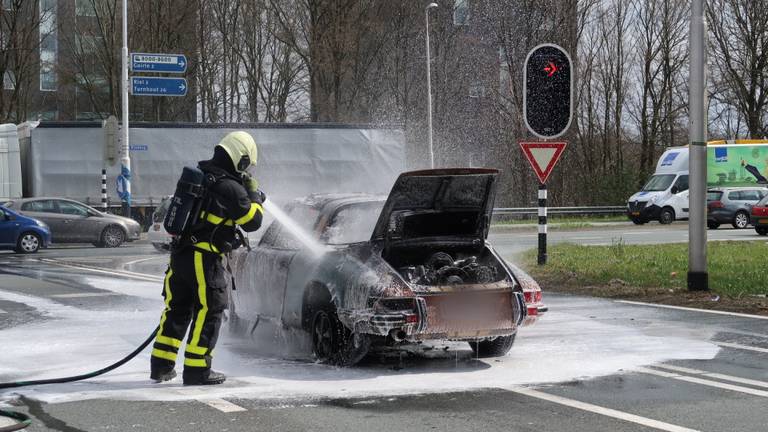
x=104 y=190
x=542 y=259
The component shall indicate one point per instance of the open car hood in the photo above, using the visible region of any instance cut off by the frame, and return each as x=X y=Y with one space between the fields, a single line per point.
x=455 y=202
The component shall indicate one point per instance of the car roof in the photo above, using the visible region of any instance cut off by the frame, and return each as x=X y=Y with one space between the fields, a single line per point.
x=735 y=188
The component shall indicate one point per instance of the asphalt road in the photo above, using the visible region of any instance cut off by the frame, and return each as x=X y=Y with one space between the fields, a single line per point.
x=586 y=365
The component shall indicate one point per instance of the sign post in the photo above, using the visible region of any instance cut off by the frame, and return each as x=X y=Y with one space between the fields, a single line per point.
x=547 y=110
x=543 y=157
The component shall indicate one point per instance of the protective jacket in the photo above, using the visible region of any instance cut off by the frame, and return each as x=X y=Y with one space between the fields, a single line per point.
x=227 y=206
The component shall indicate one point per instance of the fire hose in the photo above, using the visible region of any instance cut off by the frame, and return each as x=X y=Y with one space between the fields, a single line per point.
x=24 y=420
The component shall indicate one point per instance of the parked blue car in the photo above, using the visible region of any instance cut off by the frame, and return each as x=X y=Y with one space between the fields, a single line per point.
x=21 y=233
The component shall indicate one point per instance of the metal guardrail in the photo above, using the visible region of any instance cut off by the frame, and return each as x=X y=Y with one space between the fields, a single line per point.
x=561 y=211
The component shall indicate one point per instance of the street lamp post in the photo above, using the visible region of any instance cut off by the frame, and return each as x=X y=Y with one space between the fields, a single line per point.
x=125 y=161
x=698 y=279
x=429 y=91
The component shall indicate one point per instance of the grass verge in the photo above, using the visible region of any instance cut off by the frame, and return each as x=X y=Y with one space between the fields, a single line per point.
x=738 y=272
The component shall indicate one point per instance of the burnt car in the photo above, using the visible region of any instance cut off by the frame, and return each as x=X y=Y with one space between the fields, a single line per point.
x=410 y=267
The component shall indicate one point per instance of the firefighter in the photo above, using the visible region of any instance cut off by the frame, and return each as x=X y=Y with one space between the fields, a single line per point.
x=195 y=287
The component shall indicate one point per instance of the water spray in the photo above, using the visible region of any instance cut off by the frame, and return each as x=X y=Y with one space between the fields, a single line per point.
x=297 y=231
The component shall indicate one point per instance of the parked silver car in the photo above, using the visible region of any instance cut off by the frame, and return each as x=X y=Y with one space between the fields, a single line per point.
x=74 y=222
x=732 y=205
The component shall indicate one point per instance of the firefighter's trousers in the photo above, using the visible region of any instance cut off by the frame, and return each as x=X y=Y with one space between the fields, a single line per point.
x=195 y=291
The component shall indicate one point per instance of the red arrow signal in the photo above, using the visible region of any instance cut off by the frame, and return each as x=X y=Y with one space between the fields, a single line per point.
x=550 y=69
x=543 y=157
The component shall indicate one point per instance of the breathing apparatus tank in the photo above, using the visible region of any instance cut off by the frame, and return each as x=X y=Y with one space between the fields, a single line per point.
x=185 y=204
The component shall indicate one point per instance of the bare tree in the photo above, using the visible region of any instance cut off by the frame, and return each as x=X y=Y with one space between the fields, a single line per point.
x=739 y=44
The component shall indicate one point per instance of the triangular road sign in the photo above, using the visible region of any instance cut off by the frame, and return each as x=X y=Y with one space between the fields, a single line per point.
x=543 y=157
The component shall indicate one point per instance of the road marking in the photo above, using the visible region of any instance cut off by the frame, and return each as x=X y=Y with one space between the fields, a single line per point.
x=130 y=263
x=715 y=375
x=586 y=238
x=127 y=274
x=223 y=406
x=709 y=383
x=737 y=314
x=608 y=412
x=638 y=232
x=83 y=295
x=742 y=347
x=2 y=311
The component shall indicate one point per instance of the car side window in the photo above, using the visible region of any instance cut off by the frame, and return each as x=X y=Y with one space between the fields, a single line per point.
x=682 y=183
x=734 y=196
x=2 y=215
x=305 y=217
x=41 y=206
x=68 y=208
x=752 y=195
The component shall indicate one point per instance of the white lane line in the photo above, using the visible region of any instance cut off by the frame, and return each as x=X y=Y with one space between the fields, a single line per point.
x=2 y=311
x=704 y=382
x=586 y=238
x=638 y=232
x=84 y=295
x=742 y=347
x=142 y=276
x=222 y=405
x=130 y=263
x=716 y=312
x=715 y=375
x=608 y=412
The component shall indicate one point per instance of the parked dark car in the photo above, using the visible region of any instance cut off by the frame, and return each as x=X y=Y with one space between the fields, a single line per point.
x=22 y=234
x=74 y=222
x=732 y=205
x=409 y=267
x=760 y=216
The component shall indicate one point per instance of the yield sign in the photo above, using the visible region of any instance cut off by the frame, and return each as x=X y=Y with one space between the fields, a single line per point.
x=543 y=157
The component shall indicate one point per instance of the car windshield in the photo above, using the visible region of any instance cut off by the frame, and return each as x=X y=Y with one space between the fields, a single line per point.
x=353 y=224
x=714 y=195
x=659 y=182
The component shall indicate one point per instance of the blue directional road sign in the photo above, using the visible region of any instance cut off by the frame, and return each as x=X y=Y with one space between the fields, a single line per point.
x=157 y=86
x=167 y=63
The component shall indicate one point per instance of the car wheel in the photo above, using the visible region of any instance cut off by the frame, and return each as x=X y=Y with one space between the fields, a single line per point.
x=112 y=237
x=637 y=221
x=28 y=243
x=334 y=344
x=497 y=347
x=713 y=225
x=762 y=230
x=741 y=220
x=667 y=216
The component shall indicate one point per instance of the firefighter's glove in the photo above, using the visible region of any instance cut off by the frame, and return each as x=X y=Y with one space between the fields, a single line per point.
x=257 y=196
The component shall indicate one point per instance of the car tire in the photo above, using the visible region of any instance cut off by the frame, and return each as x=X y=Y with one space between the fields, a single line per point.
x=667 y=216
x=28 y=243
x=740 y=220
x=113 y=236
x=497 y=347
x=761 y=230
x=332 y=342
x=713 y=225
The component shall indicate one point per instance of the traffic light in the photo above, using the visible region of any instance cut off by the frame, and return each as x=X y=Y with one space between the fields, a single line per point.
x=547 y=97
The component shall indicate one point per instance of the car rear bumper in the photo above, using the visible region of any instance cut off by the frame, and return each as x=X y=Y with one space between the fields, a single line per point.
x=439 y=317
x=720 y=215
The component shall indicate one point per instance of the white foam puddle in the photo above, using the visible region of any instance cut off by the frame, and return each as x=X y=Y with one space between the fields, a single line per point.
x=560 y=347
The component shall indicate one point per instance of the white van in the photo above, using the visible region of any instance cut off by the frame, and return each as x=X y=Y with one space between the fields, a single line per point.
x=665 y=196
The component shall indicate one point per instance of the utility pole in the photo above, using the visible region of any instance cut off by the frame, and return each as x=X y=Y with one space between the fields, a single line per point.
x=698 y=278
x=429 y=92
x=125 y=161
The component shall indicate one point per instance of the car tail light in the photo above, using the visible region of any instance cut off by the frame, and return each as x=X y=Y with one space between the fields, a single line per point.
x=411 y=318
x=528 y=295
x=715 y=204
x=537 y=297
